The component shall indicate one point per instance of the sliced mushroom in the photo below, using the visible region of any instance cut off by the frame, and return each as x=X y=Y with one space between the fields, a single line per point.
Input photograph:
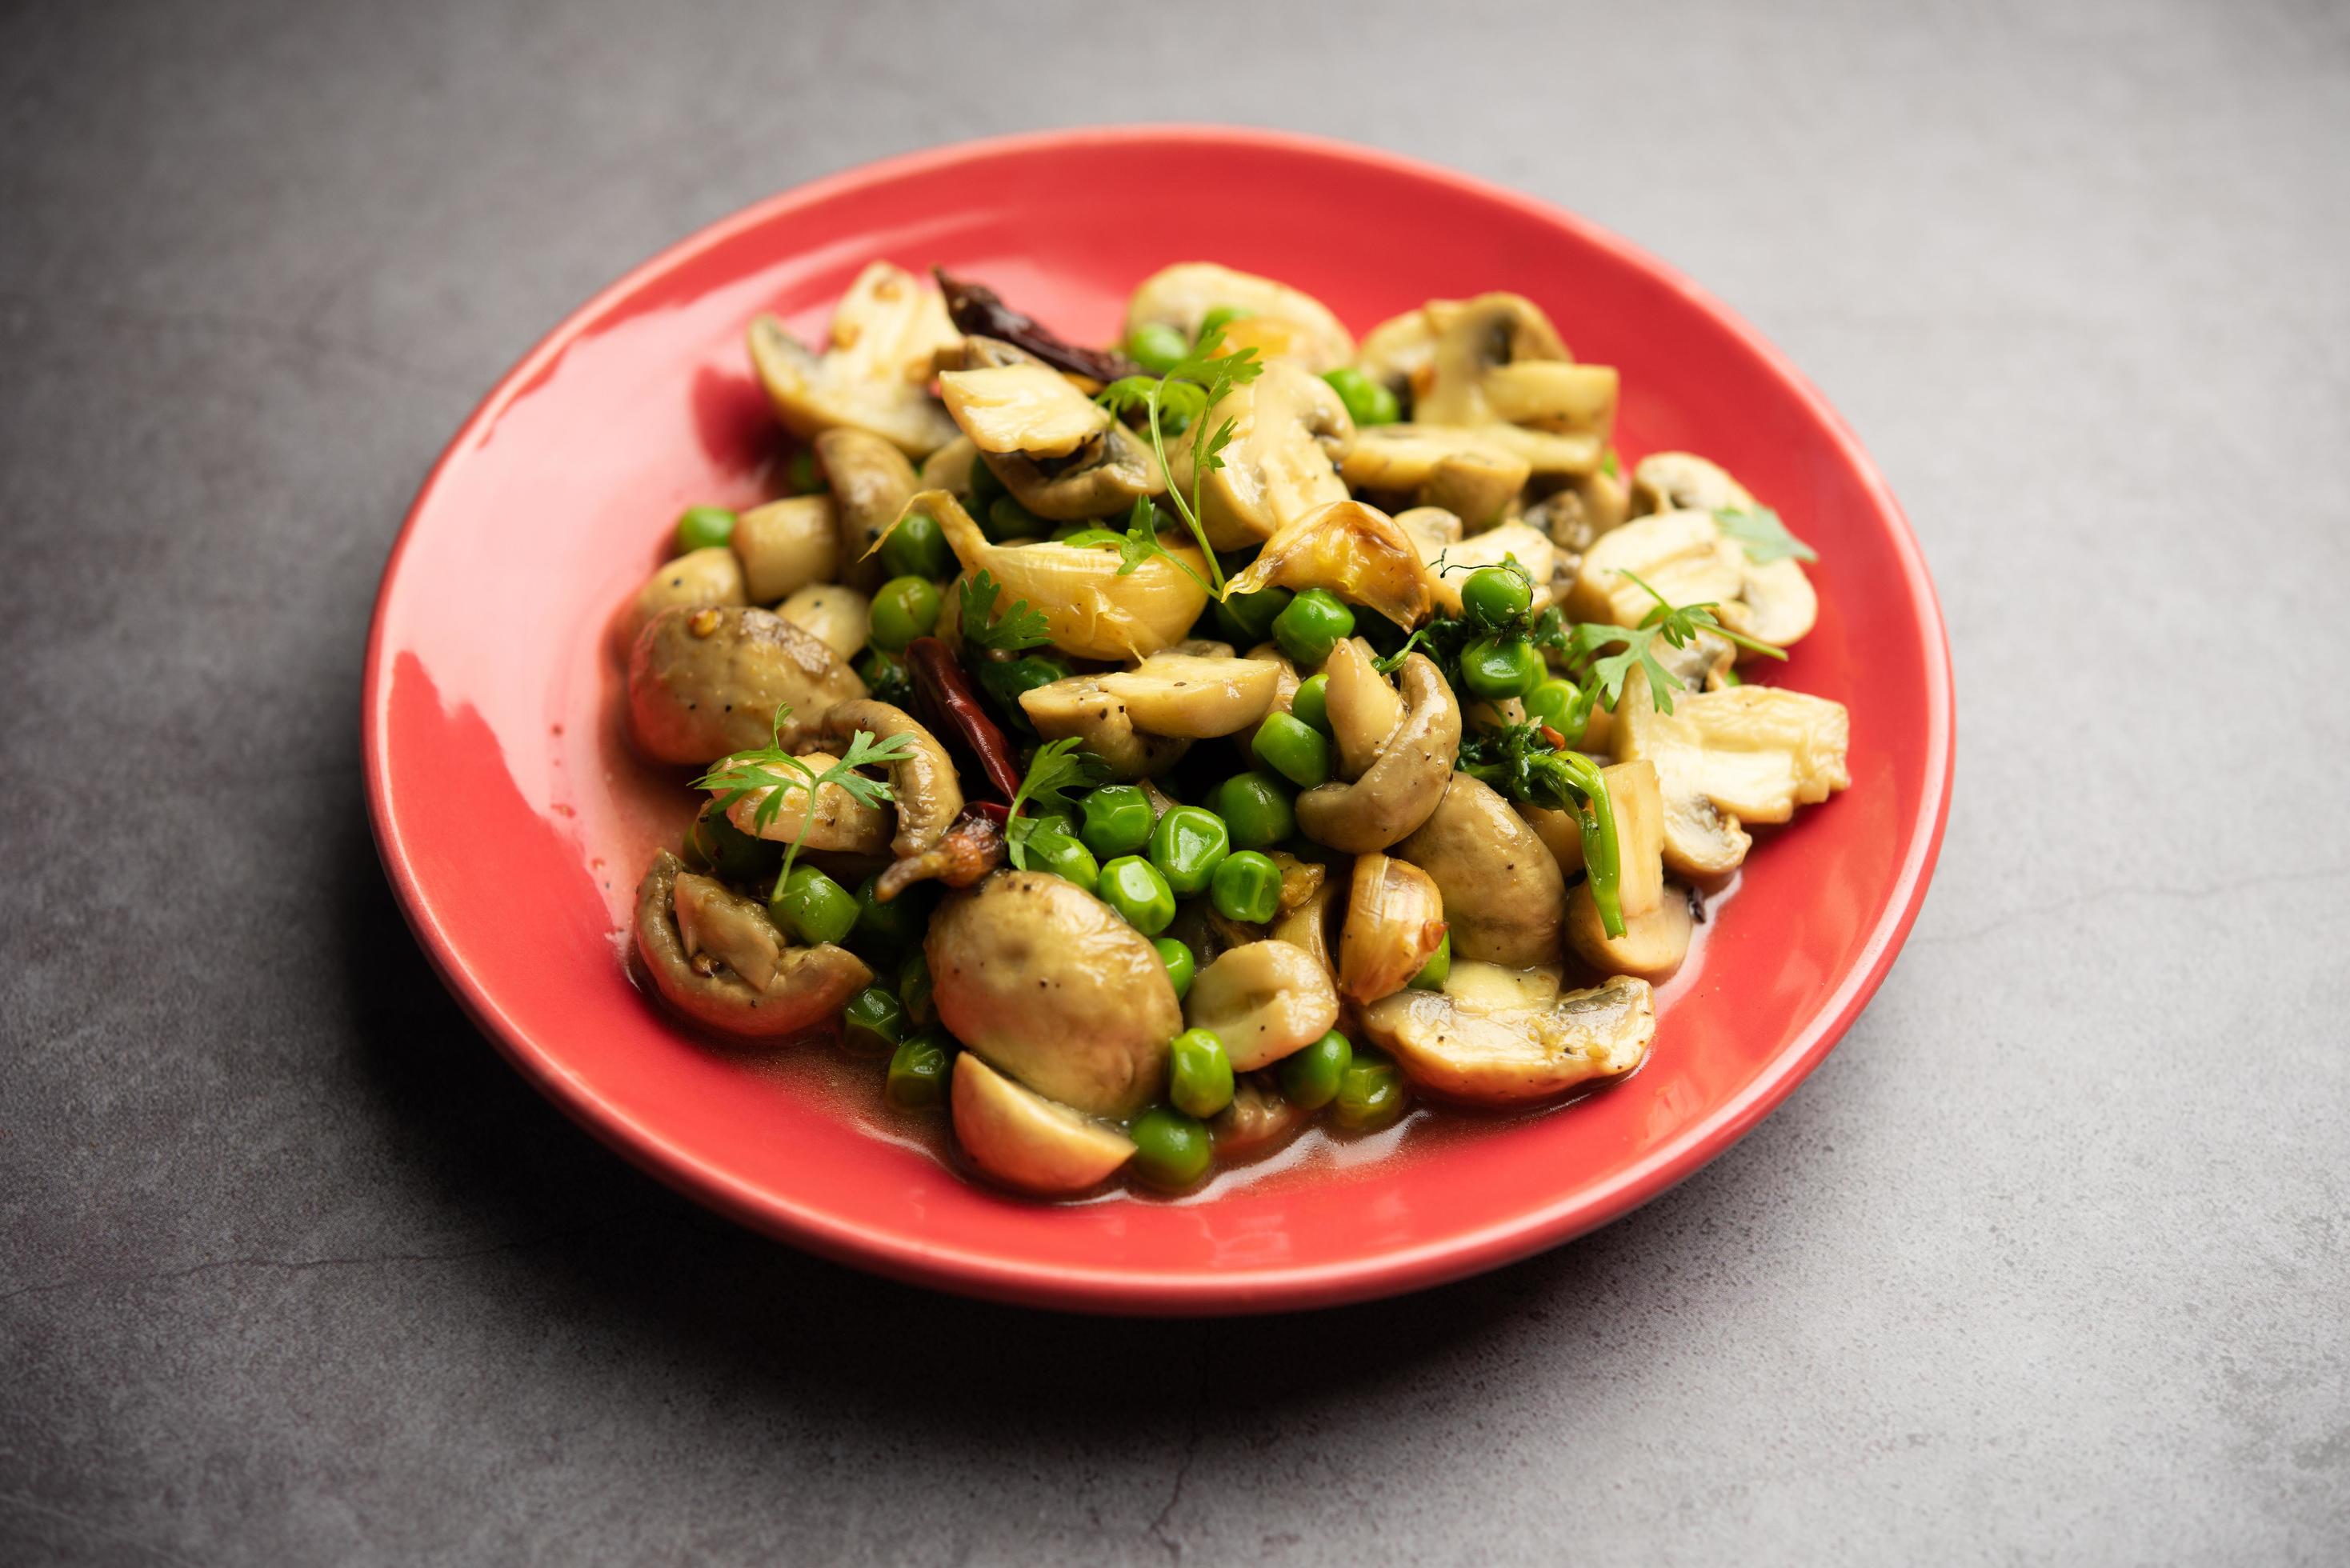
x=1081 y=707
x=1400 y=353
x=876 y=374
x=704 y=683
x=1395 y=922
x=698 y=577
x=922 y=781
x=1774 y=599
x=949 y=468
x=1638 y=807
x=1047 y=984
x=784 y=545
x=1026 y=1141
x=1090 y=609
x=1401 y=787
x=1586 y=506
x=1264 y=1001
x=1353 y=550
x=1473 y=474
x=1755 y=751
x=1362 y=709
x=1309 y=924
x=841 y=616
x=1682 y=555
x=1492 y=1052
x=1289 y=431
x=717 y=958
x=1504 y=895
x=1025 y=408
x=1194 y=697
x=1181 y=295
x=1781 y=605
x=1101 y=479
x=1259 y=1117
x=1530 y=547
x=1653 y=944
x=835 y=820
x=1683 y=481
x=870 y=480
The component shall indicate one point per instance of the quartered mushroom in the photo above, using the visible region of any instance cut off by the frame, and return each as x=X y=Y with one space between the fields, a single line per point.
x=1080 y=708
x=1353 y=550
x=1684 y=481
x=1407 y=777
x=1474 y=475
x=1101 y=476
x=1658 y=920
x=1498 y=361
x=1683 y=556
x=698 y=577
x=1021 y=407
x=784 y=545
x=1395 y=922
x=841 y=616
x=717 y=958
x=870 y=480
x=1400 y=353
x=1026 y=1141
x=1289 y=431
x=1775 y=600
x=1504 y=895
x=1181 y=295
x=1264 y=1001
x=1195 y=697
x=704 y=683
x=1361 y=708
x=1492 y=1047
x=1451 y=560
x=1652 y=946
x=922 y=781
x=1048 y=985
x=1582 y=509
x=1755 y=751
x=875 y=375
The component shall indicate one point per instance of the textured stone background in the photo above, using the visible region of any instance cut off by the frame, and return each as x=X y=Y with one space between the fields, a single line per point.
x=2048 y=1262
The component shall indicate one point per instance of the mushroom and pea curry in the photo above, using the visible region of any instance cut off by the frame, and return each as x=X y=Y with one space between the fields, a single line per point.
x=1147 y=750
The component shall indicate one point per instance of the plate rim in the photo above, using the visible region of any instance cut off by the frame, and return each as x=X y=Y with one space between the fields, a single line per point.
x=1143 y=1291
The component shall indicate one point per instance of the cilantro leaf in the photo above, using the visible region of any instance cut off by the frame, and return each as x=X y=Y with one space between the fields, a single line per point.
x=1762 y=535
x=1018 y=628
x=772 y=773
x=1058 y=768
x=1173 y=404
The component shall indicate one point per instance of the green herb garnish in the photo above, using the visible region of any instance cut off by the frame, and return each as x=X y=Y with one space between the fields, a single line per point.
x=1018 y=628
x=776 y=771
x=1192 y=386
x=1762 y=535
x=1058 y=768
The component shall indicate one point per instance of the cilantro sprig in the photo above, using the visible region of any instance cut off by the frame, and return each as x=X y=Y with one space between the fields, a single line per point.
x=1058 y=769
x=775 y=770
x=1191 y=388
x=1521 y=762
x=1762 y=535
x=1679 y=625
x=1018 y=628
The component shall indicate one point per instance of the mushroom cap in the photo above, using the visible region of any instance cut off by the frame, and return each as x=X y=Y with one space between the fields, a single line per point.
x=1652 y=946
x=875 y=374
x=1684 y=481
x=704 y=683
x=835 y=820
x=1405 y=782
x=1290 y=430
x=1490 y=1053
x=1045 y=982
x=787 y=544
x=1504 y=895
x=922 y=779
x=837 y=615
x=800 y=988
x=1195 y=697
x=1181 y=295
x=1264 y=1001
x=1026 y=1141
x=870 y=480
x=1103 y=478
x=705 y=577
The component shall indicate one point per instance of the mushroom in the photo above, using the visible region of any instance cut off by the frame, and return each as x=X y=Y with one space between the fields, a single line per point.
x=870 y=480
x=1260 y=1116
x=1193 y=696
x=706 y=683
x=1395 y=922
x=834 y=820
x=1289 y=431
x=1100 y=477
x=1091 y=610
x=718 y=959
x=1652 y=947
x=1047 y=984
x=1181 y=295
x=1361 y=708
x=1504 y=895
x=1527 y=546
x=875 y=375
x=1684 y=481
x=1755 y=751
x=1405 y=781
x=1472 y=473
x=1774 y=599
x=1080 y=707
x=1683 y=556
x=1285 y=690
x=1353 y=550
x=1400 y=353
x=1026 y=406
x=1639 y=811
x=1497 y=359
x=949 y=468
x=841 y=616
x=922 y=781
x=784 y=545
x=1264 y=1001
x=1308 y=925
x=698 y=577
x=1495 y=1051
x=972 y=848
x=1026 y=1141
x=1575 y=515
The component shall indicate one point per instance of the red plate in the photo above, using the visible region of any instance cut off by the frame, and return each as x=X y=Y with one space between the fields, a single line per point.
x=514 y=823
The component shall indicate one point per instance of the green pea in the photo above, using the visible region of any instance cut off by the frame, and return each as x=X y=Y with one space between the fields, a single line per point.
x=1314 y=623
x=1171 y=1152
x=1051 y=848
x=1007 y=519
x=1093 y=538
x=987 y=486
x=1551 y=702
x=700 y=527
x=1496 y=668
x=1370 y=1095
x=1187 y=846
x=1439 y=967
x=813 y=907
x=917 y=547
x=914 y=990
x=731 y=854
x=1117 y=820
x=1179 y=964
x=1311 y=702
x=1257 y=808
x=1133 y=887
x=1309 y=1078
x=904 y=609
x=890 y=927
x=1293 y=749
x=1246 y=619
x=873 y=1023
x=1367 y=402
x=1223 y=316
x=804 y=476
x=1005 y=679
x=1495 y=595
x=1199 y=1073
x=918 y=1070
x=1247 y=887
x=1156 y=347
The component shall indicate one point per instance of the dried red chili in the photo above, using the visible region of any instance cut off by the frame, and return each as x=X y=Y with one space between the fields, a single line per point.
x=977 y=308
x=952 y=706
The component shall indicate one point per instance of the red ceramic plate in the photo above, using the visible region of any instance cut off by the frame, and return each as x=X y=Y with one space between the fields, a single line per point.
x=514 y=823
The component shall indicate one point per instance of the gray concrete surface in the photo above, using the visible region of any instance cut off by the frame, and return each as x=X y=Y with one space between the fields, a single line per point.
x=2048 y=1263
